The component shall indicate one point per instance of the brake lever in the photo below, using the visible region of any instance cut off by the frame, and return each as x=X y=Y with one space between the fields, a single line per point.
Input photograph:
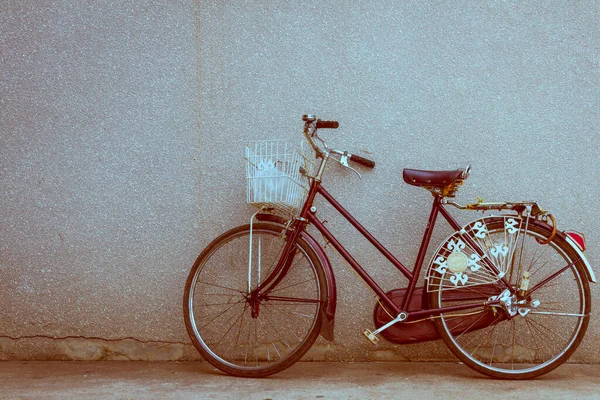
x=344 y=161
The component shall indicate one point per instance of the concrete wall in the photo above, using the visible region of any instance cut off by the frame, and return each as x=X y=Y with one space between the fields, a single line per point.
x=99 y=187
x=122 y=129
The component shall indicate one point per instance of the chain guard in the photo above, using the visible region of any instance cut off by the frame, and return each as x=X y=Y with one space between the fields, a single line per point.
x=426 y=330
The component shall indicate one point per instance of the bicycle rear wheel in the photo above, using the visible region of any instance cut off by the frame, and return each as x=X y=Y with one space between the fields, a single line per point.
x=535 y=330
x=243 y=332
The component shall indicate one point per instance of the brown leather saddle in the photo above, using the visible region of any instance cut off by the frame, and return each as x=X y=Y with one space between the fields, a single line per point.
x=444 y=183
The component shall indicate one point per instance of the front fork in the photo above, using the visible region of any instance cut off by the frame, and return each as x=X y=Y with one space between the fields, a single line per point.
x=254 y=303
x=262 y=289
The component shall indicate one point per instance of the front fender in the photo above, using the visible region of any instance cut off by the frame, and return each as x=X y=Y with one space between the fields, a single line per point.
x=329 y=309
x=328 y=312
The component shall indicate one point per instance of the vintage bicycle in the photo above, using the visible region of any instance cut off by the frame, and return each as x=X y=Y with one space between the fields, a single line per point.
x=508 y=293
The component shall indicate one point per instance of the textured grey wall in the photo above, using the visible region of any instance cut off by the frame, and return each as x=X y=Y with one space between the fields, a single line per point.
x=99 y=199
x=110 y=187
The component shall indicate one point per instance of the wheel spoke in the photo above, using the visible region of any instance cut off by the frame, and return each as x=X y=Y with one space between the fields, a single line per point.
x=292 y=313
x=290 y=300
x=220 y=314
x=553 y=276
x=221 y=287
x=560 y=314
x=231 y=327
x=278 y=289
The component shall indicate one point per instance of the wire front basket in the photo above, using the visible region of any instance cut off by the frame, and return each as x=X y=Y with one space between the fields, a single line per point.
x=274 y=181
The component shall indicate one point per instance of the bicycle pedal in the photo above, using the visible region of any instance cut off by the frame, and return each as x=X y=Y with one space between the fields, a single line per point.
x=371 y=336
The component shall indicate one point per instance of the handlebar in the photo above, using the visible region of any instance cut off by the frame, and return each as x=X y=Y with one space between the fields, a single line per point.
x=327 y=124
x=362 y=161
x=311 y=124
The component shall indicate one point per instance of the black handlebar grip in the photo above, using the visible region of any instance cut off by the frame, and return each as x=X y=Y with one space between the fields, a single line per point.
x=362 y=161
x=327 y=124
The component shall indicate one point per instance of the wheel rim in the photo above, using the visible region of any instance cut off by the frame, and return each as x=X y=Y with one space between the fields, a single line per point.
x=250 y=331
x=537 y=335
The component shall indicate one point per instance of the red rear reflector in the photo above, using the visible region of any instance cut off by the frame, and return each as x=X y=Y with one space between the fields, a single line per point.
x=578 y=238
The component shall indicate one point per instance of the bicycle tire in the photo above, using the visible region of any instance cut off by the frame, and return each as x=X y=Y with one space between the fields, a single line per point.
x=538 y=338
x=219 y=312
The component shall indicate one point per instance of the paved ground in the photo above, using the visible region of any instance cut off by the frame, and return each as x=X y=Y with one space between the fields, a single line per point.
x=171 y=380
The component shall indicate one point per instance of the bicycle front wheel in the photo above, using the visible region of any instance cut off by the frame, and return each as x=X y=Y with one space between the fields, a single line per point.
x=534 y=330
x=239 y=330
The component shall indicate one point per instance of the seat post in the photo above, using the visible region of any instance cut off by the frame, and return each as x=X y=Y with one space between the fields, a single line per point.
x=435 y=208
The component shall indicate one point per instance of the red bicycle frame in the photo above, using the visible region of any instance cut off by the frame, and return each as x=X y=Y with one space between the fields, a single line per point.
x=308 y=215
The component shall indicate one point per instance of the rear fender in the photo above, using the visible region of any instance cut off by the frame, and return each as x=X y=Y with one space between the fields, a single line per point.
x=588 y=268
x=565 y=236
x=328 y=312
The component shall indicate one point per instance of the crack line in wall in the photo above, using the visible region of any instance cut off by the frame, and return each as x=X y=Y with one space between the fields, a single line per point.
x=90 y=338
